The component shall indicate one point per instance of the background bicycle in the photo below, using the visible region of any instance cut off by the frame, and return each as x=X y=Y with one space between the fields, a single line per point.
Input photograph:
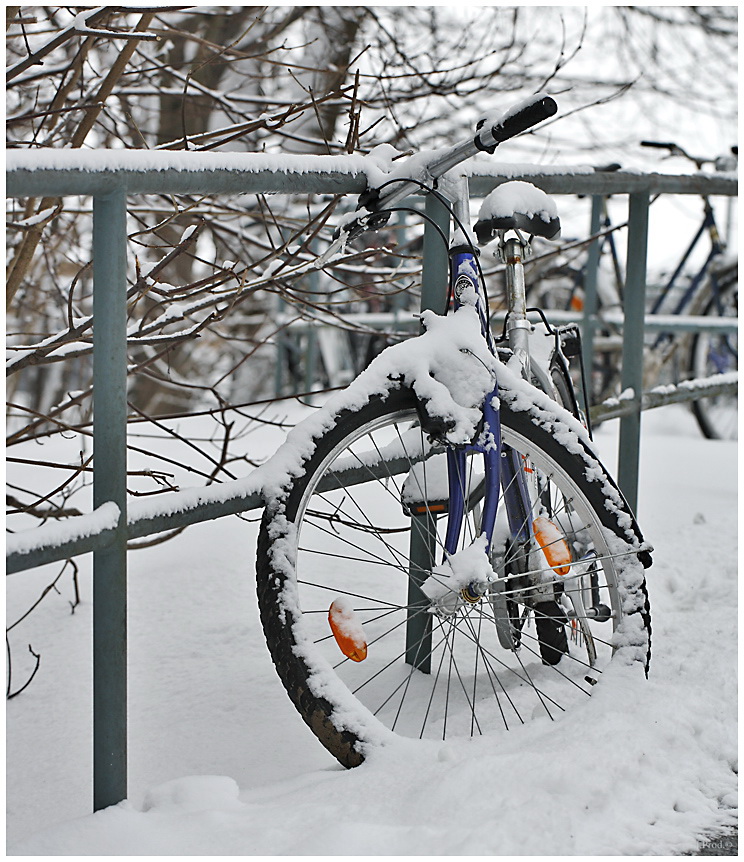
x=703 y=283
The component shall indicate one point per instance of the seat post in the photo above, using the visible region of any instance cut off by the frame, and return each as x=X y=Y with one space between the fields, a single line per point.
x=513 y=252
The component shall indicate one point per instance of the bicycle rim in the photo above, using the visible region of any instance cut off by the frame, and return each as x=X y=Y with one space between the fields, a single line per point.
x=713 y=353
x=453 y=668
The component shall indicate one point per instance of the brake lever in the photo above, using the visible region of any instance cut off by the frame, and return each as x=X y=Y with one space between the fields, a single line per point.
x=350 y=230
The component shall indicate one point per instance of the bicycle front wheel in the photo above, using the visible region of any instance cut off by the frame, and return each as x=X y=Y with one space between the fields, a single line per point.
x=364 y=651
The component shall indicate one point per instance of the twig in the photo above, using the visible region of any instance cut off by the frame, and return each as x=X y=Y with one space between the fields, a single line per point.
x=10 y=695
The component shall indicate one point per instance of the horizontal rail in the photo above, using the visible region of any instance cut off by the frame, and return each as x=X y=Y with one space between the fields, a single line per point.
x=676 y=322
x=194 y=505
x=42 y=554
x=101 y=172
x=61 y=540
x=81 y=534
x=614 y=183
x=354 y=321
x=655 y=322
x=391 y=320
x=181 y=514
x=661 y=396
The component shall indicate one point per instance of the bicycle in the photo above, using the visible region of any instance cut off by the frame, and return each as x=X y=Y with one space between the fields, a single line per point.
x=710 y=289
x=442 y=552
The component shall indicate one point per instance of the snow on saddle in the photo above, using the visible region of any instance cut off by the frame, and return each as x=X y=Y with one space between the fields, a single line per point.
x=518 y=206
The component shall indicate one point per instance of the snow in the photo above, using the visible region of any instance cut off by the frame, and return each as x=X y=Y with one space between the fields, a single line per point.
x=37 y=219
x=436 y=482
x=54 y=533
x=518 y=197
x=220 y=764
x=460 y=569
x=80 y=21
x=187 y=233
x=190 y=498
x=347 y=628
x=701 y=382
x=377 y=165
x=102 y=159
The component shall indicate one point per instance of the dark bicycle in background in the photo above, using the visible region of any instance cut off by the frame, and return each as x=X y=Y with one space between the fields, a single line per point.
x=703 y=283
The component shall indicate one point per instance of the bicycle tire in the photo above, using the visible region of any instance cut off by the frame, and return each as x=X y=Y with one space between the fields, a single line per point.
x=300 y=569
x=710 y=354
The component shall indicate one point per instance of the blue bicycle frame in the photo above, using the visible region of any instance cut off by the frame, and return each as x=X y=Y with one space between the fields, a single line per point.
x=501 y=467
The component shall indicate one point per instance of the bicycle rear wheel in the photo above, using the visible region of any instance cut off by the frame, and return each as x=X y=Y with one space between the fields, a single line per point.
x=710 y=354
x=364 y=652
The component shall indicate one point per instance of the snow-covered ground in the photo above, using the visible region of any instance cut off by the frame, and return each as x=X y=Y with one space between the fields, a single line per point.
x=220 y=763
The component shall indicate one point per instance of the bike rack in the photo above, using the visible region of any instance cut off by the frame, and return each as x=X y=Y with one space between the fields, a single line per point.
x=109 y=177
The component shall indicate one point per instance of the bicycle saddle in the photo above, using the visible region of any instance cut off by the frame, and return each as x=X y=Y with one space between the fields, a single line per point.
x=520 y=206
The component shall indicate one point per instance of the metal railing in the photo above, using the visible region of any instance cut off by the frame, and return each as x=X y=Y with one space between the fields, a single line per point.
x=110 y=177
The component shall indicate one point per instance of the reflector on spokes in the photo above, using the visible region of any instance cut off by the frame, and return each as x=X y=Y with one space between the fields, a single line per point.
x=347 y=629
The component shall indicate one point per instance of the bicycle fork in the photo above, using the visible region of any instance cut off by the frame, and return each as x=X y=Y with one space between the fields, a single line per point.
x=505 y=471
x=501 y=468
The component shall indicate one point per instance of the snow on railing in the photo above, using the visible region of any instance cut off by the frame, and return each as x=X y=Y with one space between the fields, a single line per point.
x=58 y=539
x=73 y=172
x=665 y=394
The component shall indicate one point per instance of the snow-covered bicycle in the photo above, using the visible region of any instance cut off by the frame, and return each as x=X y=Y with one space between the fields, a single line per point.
x=442 y=553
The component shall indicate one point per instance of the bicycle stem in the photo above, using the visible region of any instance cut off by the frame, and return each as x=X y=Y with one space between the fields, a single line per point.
x=433 y=171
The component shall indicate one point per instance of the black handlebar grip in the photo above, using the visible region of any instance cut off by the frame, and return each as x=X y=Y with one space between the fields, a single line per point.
x=660 y=145
x=524 y=118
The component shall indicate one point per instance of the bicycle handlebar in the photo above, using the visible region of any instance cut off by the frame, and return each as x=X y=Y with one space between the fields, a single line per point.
x=721 y=162
x=489 y=134
x=515 y=121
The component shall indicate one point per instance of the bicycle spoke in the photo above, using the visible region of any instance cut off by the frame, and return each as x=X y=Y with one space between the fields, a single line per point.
x=454 y=675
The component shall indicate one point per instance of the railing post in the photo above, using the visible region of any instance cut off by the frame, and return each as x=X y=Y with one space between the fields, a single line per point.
x=281 y=351
x=589 y=322
x=434 y=280
x=633 y=337
x=435 y=274
x=109 y=484
x=422 y=552
x=311 y=337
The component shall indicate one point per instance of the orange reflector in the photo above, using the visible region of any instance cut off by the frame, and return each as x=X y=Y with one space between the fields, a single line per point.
x=577 y=303
x=431 y=507
x=553 y=545
x=347 y=630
